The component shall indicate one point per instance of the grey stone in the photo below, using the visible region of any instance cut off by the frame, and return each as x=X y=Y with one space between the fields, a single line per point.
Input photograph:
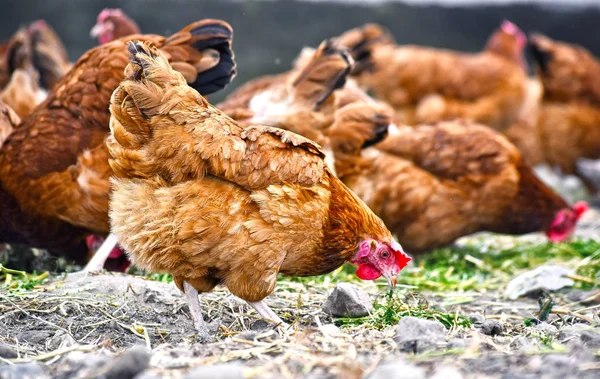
x=418 y=335
x=574 y=332
x=7 y=351
x=459 y=343
x=32 y=370
x=546 y=328
x=590 y=338
x=34 y=337
x=128 y=364
x=524 y=344
x=260 y=325
x=580 y=296
x=347 y=300
x=397 y=370
x=220 y=371
x=477 y=319
x=542 y=278
x=492 y=328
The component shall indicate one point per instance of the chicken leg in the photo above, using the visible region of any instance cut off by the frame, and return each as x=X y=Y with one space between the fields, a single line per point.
x=267 y=313
x=192 y=297
x=100 y=257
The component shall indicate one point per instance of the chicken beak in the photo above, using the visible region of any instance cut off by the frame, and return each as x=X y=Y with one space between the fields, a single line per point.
x=97 y=30
x=391 y=279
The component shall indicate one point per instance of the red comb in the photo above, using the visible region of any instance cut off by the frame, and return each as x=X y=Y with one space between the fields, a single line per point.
x=107 y=12
x=580 y=208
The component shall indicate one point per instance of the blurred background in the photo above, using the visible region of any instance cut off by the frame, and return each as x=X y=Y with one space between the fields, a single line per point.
x=269 y=34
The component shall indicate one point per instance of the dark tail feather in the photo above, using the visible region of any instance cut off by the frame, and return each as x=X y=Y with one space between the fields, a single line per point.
x=360 y=42
x=382 y=124
x=216 y=35
x=541 y=56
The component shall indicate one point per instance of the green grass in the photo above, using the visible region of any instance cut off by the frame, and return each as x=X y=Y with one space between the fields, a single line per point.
x=20 y=281
x=477 y=267
x=389 y=308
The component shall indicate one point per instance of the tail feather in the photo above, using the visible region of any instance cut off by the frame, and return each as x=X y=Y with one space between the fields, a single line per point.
x=360 y=42
x=542 y=56
x=215 y=64
x=324 y=73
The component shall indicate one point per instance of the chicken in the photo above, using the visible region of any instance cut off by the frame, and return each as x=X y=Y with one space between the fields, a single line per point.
x=570 y=111
x=420 y=177
x=509 y=42
x=230 y=205
x=455 y=178
x=113 y=24
x=426 y=85
x=23 y=92
x=42 y=48
x=299 y=100
x=55 y=165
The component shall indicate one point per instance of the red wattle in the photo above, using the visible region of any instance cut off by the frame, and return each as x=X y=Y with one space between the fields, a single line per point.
x=366 y=271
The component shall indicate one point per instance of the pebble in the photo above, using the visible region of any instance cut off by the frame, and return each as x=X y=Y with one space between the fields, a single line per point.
x=477 y=319
x=418 y=335
x=492 y=328
x=7 y=351
x=542 y=278
x=128 y=364
x=347 y=300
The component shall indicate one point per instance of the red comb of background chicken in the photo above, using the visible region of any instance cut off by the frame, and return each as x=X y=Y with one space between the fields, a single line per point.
x=565 y=221
x=512 y=29
x=107 y=12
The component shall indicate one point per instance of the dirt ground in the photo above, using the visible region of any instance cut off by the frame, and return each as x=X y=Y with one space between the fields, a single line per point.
x=77 y=327
x=109 y=325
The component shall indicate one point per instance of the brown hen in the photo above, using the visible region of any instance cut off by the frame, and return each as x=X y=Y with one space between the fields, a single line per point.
x=55 y=166
x=426 y=84
x=210 y=201
x=569 y=119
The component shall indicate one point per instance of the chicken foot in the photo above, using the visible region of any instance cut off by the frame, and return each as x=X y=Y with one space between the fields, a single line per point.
x=101 y=255
x=192 y=297
x=267 y=313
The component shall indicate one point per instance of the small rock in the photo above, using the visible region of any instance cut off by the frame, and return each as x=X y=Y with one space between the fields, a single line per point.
x=260 y=325
x=347 y=300
x=492 y=328
x=580 y=296
x=543 y=278
x=459 y=343
x=546 y=328
x=32 y=370
x=524 y=344
x=447 y=372
x=220 y=371
x=572 y=332
x=61 y=340
x=590 y=339
x=248 y=335
x=34 y=337
x=417 y=335
x=477 y=319
x=330 y=330
x=128 y=364
x=7 y=351
x=398 y=370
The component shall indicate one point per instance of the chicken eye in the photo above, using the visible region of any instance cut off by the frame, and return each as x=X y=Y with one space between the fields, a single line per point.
x=385 y=254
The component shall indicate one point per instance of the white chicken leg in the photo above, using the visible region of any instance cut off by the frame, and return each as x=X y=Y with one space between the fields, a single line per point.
x=101 y=255
x=267 y=313
x=192 y=297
